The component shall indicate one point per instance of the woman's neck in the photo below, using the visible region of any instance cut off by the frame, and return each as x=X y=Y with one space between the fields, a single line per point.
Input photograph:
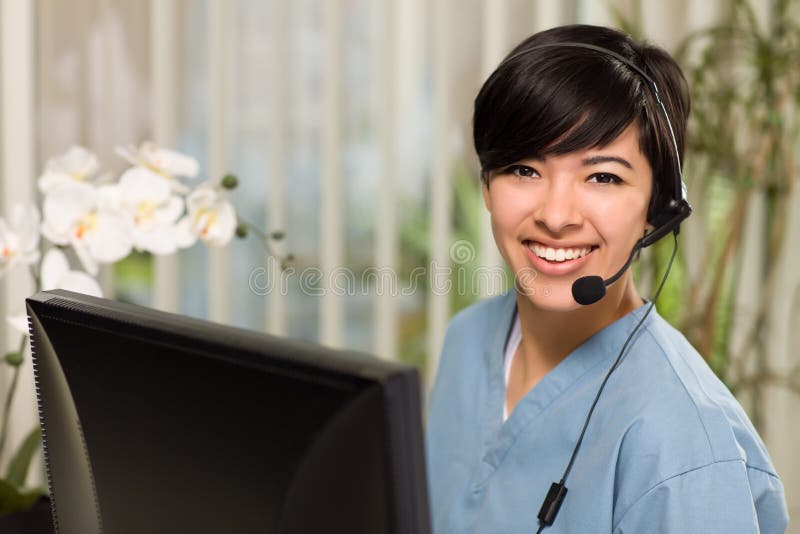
x=550 y=336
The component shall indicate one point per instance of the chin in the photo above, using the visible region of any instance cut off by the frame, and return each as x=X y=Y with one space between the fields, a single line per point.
x=549 y=297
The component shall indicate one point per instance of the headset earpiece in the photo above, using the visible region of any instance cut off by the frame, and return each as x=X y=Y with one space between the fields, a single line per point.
x=669 y=220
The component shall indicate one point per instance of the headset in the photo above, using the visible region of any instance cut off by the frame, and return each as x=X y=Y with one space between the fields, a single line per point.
x=590 y=289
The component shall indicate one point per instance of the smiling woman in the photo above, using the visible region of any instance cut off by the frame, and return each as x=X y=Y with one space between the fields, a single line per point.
x=580 y=134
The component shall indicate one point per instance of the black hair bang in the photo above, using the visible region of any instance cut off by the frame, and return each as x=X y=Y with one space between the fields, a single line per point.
x=552 y=101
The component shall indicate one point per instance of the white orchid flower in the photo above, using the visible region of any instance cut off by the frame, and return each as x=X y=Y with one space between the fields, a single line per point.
x=90 y=219
x=167 y=163
x=56 y=274
x=19 y=322
x=19 y=238
x=76 y=164
x=155 y=210
x=211 y=218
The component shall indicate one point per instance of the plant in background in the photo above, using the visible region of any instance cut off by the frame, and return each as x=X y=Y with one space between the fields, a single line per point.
x=99 y=221
x=466 y=224
x=744 y=131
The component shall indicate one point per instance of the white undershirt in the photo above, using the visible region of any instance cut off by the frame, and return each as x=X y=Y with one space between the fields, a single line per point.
x=511 y=349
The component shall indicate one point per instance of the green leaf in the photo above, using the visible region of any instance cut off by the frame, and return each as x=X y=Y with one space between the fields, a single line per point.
x=13 y=500
x=14 y=359
x=18 y=467
x=774 y=118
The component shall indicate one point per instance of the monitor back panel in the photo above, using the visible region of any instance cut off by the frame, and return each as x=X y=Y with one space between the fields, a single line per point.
x=178 y=439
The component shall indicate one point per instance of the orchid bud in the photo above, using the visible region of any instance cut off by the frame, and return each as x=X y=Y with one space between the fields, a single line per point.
x=14 y=359
x=229 y=181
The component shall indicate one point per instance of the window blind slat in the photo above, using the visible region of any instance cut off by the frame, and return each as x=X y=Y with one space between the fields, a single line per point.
x=495 y=26
x=385 y=342
x=331 y=312
x=17 y=184
x=163 y=64
x=440 y=201
x=218 y=81
x=276 y=214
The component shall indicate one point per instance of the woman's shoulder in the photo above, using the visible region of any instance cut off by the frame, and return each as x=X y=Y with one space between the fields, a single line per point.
x=681 y=415
x=680 y=427
x=470 y=334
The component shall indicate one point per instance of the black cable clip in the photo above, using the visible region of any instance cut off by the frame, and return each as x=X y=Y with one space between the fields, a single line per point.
x=551 y=504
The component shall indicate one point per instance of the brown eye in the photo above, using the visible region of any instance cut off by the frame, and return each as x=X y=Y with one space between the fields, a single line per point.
x=605 y=178
x=523 y=171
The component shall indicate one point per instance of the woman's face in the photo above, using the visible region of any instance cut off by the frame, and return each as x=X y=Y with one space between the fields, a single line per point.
x=565 y=216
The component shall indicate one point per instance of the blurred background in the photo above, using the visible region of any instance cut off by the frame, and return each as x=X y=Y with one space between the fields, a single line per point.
x=347 y=123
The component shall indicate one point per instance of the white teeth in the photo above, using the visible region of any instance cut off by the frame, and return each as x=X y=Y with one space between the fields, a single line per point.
x=559 y=254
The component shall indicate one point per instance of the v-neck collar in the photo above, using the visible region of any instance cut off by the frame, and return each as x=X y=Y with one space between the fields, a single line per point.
x=602 y=347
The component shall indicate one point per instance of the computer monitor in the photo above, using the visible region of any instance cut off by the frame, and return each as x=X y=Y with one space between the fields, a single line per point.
x=160 y=423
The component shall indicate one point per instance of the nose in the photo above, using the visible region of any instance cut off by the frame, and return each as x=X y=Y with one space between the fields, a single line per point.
x=559 y=209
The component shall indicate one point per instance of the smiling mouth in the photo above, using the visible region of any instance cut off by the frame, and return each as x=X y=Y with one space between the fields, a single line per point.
x=558 y=255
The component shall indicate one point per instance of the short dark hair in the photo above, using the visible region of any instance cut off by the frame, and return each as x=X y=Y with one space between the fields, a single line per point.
x=555 y=100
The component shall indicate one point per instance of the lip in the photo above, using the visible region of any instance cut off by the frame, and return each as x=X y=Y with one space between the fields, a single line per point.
x=551 y=268
x=559 y=244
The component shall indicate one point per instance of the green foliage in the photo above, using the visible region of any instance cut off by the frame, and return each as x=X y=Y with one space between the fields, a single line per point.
x=743 y=134
x=14 y=359
x=12 y=499
x=18 y=467
x=414 y=238
x=13 y=496
x=136 y=269
x=467 y=209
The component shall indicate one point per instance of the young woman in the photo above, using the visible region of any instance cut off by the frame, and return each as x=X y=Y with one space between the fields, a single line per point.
x=594 y=417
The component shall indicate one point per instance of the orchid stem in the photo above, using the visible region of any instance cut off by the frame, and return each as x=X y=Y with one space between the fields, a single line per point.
x=263 y=236
x=35 y=276
x=10 y=398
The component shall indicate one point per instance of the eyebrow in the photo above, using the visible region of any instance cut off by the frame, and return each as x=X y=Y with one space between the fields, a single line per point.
x=594 y=160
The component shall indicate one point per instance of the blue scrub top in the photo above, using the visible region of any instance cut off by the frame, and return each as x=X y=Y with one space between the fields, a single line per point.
x=668 y=448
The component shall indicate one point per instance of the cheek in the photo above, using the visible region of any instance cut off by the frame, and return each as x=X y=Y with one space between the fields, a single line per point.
x=623 y=221
x=509 y=214
x=510 y=208
x=501 y=229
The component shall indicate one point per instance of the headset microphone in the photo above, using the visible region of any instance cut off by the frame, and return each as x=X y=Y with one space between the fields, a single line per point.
x=589 y=289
